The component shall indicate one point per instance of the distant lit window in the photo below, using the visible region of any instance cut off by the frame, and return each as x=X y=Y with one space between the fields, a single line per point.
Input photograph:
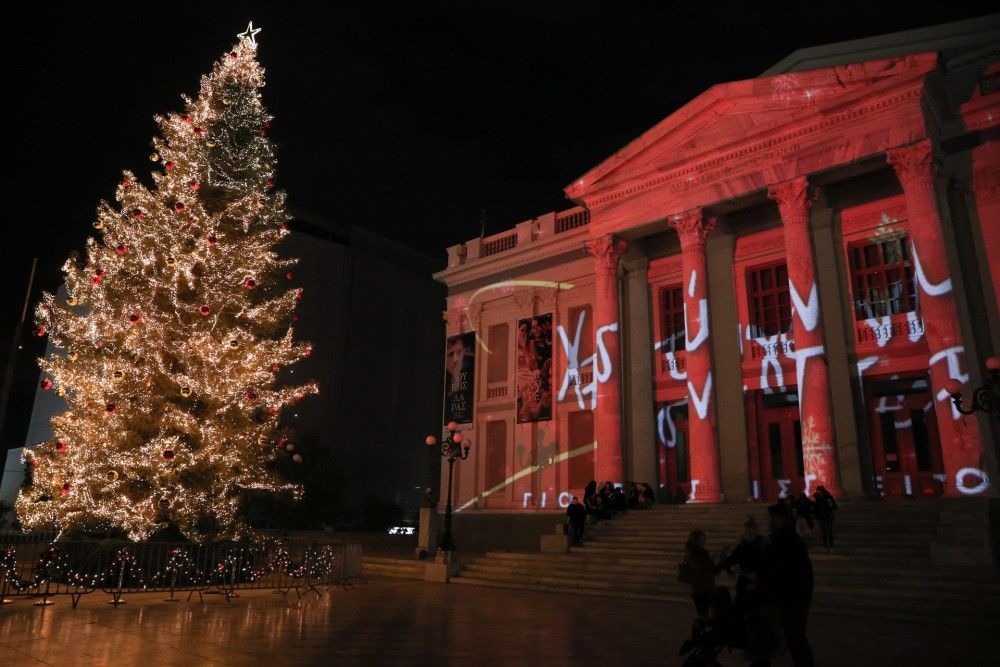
x=882 y=278
x=672 y=318
x=770 y=303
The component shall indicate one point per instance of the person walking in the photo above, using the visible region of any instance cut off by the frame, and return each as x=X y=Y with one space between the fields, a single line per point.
x=577 y=514
x=698 y=569
x=747 y=560
x=788 y=578
x=824 y=506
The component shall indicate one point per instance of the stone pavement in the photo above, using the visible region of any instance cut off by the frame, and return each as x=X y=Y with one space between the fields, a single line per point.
x=387 y=622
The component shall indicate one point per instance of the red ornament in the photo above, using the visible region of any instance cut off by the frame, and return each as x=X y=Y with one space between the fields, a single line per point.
x=251 y=395
x=60 y=445
x=137 y=213
x=121 y=249
x=295 y=318
x=179 y=206
x=270 y=183
x=46 y=384
x=249 y=283
x=205 y=310
x=65 y=488
x=299 y=397
x=309 y=352
x=199 y=131
x=289 y=275
x=272 y=411
x=275 y=368
x=186 y=119
x=40 y=331
x=283 y=226
x=99 y=272
x=298 y=294
x=125 y=183
x=212 y=240
x=234 y=55
x=97 y=279
x=169 y=165
x=135 y=318
x=35 y=462
x=194 y=186
x=168 y=454
x=111 y=407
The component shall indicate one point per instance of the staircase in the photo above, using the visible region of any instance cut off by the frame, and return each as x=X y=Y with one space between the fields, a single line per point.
x=882 y=565
x=399 y=568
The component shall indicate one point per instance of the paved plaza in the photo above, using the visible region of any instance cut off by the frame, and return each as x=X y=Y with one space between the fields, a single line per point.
x=386 y=622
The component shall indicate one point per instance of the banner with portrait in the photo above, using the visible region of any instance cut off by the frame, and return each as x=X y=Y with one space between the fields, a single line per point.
x=459 y=381
x=534 y=369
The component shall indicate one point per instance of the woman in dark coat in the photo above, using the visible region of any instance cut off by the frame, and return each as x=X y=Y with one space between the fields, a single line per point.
x=824 y=507
x=591 y=502
x=699 y=571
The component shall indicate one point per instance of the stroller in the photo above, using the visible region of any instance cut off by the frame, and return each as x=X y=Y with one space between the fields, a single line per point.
x=721 y=629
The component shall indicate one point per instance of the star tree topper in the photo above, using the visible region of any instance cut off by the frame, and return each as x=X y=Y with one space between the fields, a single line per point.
x=250 y=34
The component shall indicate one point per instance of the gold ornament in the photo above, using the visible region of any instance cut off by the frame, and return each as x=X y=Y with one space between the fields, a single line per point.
x=60 y=391
x=171 y=261
x=226 y=101
x=71 y=355
x=262 y=440
x=112 y=475
x=210 y=144
x=118 y=375
x=234 y=343
x=98 y=224
x=185 y=390
x=71 y=301
x=153 y=157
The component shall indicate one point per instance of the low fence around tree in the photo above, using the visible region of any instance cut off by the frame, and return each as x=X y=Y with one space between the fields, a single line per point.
x=38 y=566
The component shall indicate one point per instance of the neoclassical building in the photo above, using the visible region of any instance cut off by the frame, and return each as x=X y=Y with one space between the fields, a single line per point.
x=768 y=291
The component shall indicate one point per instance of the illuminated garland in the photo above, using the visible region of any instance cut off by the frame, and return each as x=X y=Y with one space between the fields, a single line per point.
x=174 y=328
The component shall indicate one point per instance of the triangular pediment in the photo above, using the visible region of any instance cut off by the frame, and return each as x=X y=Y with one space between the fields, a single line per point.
x=728 y=116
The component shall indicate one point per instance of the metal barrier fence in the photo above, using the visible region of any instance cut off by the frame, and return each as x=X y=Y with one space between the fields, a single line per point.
x=33 y=565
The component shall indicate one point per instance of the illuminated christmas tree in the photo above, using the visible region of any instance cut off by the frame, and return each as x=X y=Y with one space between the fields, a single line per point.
x=172 y=333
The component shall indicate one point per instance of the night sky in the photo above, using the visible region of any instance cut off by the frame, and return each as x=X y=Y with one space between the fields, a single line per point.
x=405 y=118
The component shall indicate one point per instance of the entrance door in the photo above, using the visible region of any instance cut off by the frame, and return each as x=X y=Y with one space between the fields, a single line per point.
x=906 y=448
x=780 y=446
x=674 y=458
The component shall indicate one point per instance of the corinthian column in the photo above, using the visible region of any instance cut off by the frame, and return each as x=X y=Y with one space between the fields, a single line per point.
x=811 y=371
x=607 y=415
x=692 y=229
x=960 y=446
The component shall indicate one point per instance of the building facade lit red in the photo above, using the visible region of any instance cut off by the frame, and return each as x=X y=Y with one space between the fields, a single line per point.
x=766 y=292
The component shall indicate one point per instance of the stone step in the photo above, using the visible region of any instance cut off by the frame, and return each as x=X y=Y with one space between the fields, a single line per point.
x=931 y=593
x=826 y=601
x=392 y=567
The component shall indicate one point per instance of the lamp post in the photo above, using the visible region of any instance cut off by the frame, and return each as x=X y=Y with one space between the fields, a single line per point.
x=452 y=448
x=985 y=398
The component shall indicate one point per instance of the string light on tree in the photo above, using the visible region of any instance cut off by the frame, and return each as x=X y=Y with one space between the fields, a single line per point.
x=160 y=426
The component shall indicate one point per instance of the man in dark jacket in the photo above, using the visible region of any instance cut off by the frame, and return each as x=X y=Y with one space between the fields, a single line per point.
x=577 y=514
x=788 y=578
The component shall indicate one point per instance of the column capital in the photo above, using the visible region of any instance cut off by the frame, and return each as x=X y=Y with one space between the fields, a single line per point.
x=606 y=250
x=914 y=164
x=794 y=199
x=692 y=227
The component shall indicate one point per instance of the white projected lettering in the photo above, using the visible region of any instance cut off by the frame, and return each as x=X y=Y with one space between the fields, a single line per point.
x=961 y=477
x=564 y=499
x=694 y=490
x=701 y=402
x=600 y=361
x=932 y=289
x=783 y=485
x=808 y=312
x=951 y=355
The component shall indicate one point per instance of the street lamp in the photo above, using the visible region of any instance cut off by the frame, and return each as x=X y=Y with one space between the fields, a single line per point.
x=984 y=399
x=452 y=448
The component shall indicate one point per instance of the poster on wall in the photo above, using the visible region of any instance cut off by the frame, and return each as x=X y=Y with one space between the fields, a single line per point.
x=534 y=369
x=460 y=371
